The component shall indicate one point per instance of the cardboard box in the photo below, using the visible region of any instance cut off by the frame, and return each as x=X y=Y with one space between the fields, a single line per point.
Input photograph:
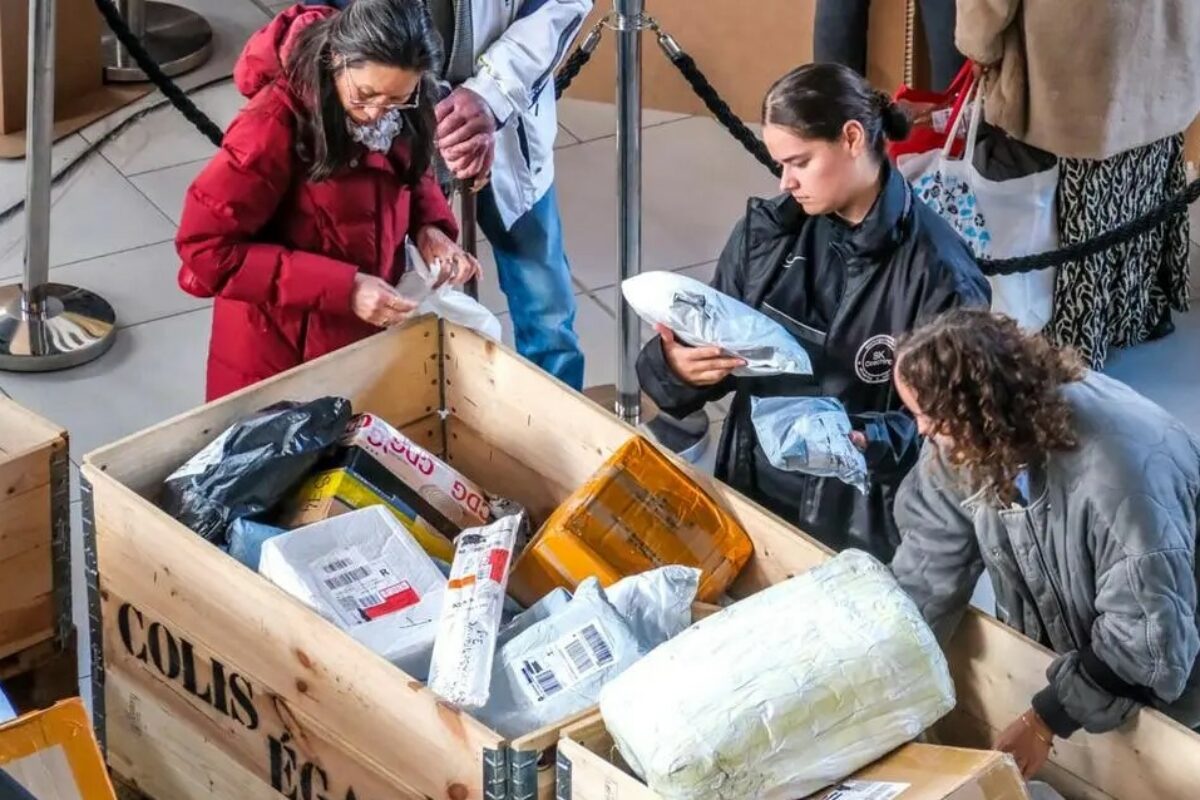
x=590 y=768
x=53 y=755
x=78 y=64
x=347 y=488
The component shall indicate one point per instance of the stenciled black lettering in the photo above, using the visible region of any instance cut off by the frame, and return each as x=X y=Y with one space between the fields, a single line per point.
x=158 y=634
x=189 y=675
x=307 y=773
x=283 y=766
x=124 y=620
x=220 y=699
x=243 y=698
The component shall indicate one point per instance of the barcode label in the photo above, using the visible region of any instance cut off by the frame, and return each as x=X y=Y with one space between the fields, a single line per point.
x=347 y=578
x=570 y=660
x=337 y=566
x=866 y=790
x=599 y=645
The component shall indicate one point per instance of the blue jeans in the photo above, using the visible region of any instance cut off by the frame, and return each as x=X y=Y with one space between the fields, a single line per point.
x=536 y=278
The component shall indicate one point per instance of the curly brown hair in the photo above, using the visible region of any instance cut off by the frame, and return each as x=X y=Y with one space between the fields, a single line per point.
x=992 y=393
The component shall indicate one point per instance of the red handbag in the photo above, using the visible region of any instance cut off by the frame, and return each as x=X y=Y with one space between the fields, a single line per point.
x=944 y=109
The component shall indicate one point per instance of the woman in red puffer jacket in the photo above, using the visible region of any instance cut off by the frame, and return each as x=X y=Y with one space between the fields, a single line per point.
x=297 y=226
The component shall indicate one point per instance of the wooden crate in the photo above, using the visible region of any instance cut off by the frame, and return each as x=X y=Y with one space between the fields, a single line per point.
x=211 y=682
x=591 y=768
x=35 y=554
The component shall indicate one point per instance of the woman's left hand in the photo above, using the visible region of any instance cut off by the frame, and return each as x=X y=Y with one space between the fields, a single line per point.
x=449 y=262
x=1028 y=741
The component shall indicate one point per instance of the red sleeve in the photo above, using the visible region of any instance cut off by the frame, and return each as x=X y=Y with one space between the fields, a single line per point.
x=229 y=203
x=428 y=206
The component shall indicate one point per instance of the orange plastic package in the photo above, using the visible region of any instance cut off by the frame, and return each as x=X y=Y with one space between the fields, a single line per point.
x=637 y=513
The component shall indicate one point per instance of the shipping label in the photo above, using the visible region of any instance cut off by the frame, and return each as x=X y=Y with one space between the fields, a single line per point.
x=570 y=660
x=866 y=790
x=362 y=589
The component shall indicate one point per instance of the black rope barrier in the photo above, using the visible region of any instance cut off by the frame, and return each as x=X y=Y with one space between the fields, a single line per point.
x=1123 y=234
x=176 y=96
x=570 y=69
x=577 y=60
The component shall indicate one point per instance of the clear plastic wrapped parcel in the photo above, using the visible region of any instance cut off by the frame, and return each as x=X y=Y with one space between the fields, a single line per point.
x=784 y=693
x=699 y=315
x=809 y=435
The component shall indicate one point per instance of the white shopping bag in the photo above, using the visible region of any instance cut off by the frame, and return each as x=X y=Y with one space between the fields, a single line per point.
x=998 y=219
x=448 y=302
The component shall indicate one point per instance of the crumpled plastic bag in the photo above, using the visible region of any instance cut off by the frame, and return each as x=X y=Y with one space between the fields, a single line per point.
x=253 y=465
x=809 y=435
x=448 y=302
x=553 y=661
x=656 y=604
x=701 y=316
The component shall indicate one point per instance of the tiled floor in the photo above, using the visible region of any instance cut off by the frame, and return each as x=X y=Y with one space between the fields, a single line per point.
x=113 y=222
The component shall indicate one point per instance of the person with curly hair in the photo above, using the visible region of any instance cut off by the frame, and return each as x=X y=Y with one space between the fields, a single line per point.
x=1079 y=496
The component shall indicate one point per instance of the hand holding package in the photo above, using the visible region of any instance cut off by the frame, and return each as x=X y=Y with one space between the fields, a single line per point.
x=809 y=435
x=448 y=302
x=701 y=316
x=783 y=693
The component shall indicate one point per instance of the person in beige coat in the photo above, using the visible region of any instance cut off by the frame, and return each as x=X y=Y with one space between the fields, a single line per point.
x=1108 y=86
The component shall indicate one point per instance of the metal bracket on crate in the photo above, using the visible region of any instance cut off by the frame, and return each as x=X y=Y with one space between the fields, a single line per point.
x=60 y=544
x=95 y=622
x=495 y=773
x=562 y=777
x=523 y=774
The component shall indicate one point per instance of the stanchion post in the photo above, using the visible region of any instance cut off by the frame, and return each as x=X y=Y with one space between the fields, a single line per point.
x=46 y=326
x=629 y=23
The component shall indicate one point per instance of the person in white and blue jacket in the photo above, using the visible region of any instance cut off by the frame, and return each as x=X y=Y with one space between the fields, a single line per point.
x=496 y=128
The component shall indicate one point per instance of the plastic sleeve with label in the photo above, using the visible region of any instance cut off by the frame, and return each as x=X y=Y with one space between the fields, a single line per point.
x=461 y=669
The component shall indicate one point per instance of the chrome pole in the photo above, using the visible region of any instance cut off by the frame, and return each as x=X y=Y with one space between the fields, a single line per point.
x=46 y=326
x=629 y=18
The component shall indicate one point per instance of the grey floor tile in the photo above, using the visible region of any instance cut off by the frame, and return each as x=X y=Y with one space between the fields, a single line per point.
x=75 y=478
x=12 y=171
x=588 y=120
x=96 y=211
x=696 y=181
x=166 y=187
x=232 y=22
x=166 y=138
x=564 y=138
x=154 y=371
x=1166 y=371
x=140 y=284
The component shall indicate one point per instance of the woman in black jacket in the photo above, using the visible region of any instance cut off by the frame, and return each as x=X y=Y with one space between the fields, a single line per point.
x=846 y=260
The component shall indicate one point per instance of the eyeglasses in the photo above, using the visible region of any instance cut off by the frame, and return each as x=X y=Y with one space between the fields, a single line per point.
x=380 y=103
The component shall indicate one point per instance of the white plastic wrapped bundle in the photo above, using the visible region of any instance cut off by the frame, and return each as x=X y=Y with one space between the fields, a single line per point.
x=784 y=693
x=699 y=315
x=461 y=668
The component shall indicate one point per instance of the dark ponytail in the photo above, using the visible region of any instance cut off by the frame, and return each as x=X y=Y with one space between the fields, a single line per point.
x=395 y=33
x=817 y=100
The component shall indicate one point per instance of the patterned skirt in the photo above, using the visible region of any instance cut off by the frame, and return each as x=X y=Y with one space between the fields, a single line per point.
x=1118 y=297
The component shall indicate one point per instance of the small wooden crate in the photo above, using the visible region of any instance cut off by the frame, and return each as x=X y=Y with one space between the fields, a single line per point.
x=590 y=768
x=35 y=543
x=211 y=682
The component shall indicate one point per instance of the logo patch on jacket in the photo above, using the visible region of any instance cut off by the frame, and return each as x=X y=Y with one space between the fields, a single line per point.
x=873 y=363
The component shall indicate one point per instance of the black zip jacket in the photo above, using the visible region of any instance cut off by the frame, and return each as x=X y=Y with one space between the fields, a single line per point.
x=845 y=293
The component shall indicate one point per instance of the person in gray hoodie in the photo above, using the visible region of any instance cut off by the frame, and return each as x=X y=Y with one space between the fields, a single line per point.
x=1080 y=498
